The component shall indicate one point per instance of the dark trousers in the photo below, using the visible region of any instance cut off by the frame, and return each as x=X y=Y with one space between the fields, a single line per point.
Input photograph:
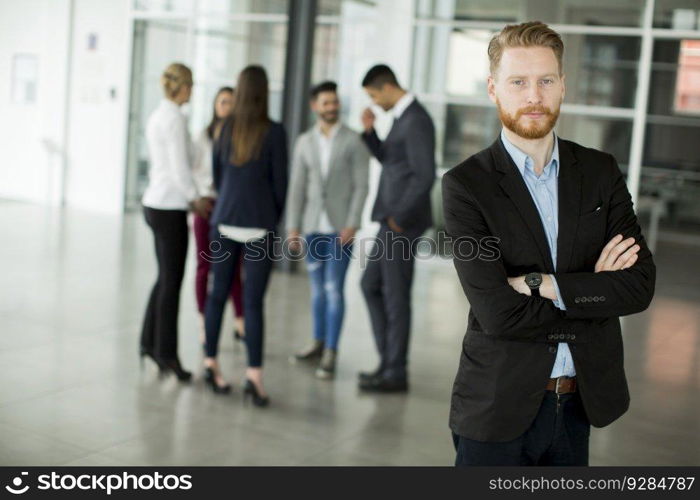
x=558 y=436
x=159 y=332
x=257 y=264
x=201 y=230
x=386 y=286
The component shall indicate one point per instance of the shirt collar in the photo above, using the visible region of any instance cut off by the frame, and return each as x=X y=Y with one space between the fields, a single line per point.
x=402 y=104
x=331 y=136
x=168 y=104
x=522 y=160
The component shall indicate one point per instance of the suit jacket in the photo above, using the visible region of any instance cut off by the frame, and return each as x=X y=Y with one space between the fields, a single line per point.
x=252 y=194
x=407 y=156
x=342 y=193
x=511 y=338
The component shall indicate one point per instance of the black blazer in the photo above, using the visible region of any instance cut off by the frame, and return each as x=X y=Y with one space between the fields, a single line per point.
x=407 y=156
x=253 y=194
x=511 y=339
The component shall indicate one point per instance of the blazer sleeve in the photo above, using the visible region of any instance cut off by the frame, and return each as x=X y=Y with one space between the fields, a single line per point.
x=619 y=293
x=371 y=139
x=500 y=310
x=360 y=181
x=217 y=150
x=279 y=169
x=296 y=197
x=420 y=152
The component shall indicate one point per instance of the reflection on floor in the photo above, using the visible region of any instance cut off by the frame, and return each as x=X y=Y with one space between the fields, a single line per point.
x=74 y=290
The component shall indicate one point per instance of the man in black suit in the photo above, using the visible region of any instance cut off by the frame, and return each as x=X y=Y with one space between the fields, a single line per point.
x=549 y=254
x=402 y=207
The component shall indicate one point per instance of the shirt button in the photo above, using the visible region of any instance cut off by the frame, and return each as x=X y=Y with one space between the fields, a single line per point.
x=602 y=299
x=552 y=349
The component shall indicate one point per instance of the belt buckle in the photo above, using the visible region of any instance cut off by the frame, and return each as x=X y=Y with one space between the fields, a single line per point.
x=556 y=386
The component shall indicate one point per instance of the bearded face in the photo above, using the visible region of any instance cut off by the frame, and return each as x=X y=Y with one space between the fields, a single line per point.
x=528 y=90
x=530 y=122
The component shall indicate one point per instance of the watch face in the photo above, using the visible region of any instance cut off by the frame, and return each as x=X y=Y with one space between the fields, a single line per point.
x=533 y=280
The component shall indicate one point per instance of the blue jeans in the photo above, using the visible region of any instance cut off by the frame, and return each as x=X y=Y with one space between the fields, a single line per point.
x=327 y=263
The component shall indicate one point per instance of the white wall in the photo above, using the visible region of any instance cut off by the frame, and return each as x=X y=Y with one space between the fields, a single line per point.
x=74 y=112
x=39 y=28
x=96 y=172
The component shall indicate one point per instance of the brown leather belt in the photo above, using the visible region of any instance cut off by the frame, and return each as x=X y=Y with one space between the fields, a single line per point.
x=562 y=385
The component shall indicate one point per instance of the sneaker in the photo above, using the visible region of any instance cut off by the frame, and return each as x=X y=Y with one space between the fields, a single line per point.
x=312 y=352
x=326 y=368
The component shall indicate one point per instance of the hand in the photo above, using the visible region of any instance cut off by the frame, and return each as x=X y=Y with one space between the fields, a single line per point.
x=347 y=235
x=618 y=254
x=367 y=119
x=294 y=240
x=393 y=225
x=518 y=284
x=202 y=207
x=547 y=290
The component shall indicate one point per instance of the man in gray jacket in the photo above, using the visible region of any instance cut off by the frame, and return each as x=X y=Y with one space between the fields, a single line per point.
x=327 y=192
x=402 y=207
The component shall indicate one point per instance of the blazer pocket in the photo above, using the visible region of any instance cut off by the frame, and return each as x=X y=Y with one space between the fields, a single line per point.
x=597 y=211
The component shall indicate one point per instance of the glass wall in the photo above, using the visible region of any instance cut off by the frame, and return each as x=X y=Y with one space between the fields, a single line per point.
x=438 y=50
x=217 y=39
x=603 y=66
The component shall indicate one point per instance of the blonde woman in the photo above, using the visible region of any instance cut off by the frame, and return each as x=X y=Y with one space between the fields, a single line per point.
x=170 y=193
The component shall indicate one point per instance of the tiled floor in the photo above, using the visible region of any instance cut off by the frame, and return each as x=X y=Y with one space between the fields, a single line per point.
x=74 y=287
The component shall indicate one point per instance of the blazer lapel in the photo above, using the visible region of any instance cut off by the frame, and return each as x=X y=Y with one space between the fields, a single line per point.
x=315 y=153
x=514 y=186
x=569 y=184
x=336 y=147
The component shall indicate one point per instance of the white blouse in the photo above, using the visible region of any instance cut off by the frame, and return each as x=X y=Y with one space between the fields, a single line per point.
x=170 y=182
x=202 y=166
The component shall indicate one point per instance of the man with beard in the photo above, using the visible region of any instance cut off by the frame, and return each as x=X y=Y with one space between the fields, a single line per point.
x=403 y=209
x=549 y=254
x=327 y=192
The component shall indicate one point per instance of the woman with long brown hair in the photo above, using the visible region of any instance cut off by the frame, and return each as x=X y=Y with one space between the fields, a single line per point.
x=250 y=176
x=203 y=177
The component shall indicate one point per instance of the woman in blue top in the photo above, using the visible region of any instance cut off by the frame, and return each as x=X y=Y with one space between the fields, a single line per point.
x=250 y=176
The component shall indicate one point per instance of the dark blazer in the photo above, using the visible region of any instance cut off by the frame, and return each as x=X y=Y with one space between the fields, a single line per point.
x=511 y=339
x=252 y=194
x=407 y=156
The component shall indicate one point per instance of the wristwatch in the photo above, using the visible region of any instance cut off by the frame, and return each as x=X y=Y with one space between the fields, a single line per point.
x=534 y=280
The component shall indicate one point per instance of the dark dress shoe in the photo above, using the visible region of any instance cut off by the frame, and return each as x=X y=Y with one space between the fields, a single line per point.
x=383 y=384
x=367 y=376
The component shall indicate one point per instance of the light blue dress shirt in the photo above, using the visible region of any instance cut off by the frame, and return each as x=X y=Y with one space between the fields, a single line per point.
x=544 y=192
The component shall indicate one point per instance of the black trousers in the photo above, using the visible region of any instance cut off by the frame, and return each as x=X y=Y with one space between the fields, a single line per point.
x=159 y=332
x=257 y=264
x=386 y=286
x=558 y=436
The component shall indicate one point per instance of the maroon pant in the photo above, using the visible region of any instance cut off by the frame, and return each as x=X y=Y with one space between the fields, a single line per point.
x=201 y=236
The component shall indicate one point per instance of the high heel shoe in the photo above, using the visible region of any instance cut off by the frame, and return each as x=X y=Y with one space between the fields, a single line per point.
x=210 y=379
x=252 y=391
x=238 y=335
x=174 y=366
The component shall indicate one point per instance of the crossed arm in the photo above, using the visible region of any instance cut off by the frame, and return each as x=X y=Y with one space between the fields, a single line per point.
x=624 y=273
